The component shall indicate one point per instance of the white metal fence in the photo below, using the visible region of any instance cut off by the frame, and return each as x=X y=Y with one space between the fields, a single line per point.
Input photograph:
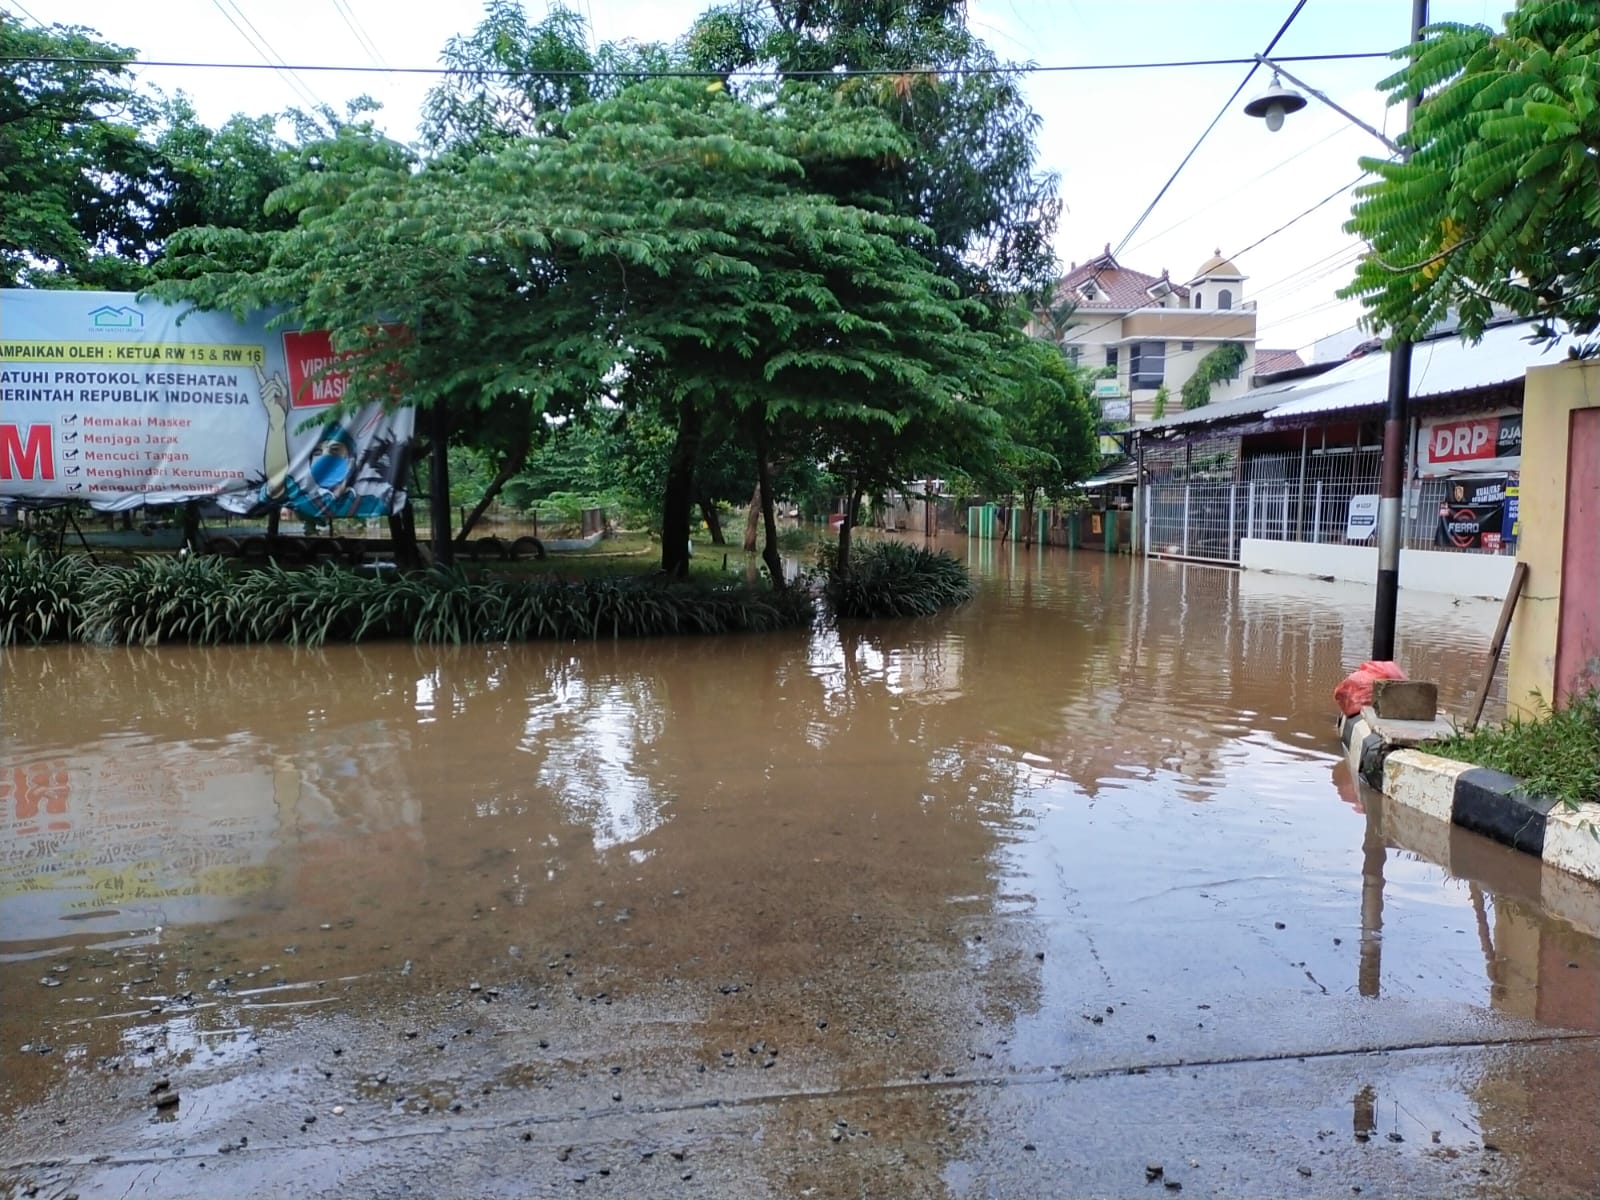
x=1201 y=501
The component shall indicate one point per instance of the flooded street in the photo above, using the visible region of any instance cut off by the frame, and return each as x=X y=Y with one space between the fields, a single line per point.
x=1068 y=891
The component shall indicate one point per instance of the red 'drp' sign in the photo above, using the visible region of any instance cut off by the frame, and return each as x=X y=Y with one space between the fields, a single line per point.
x=314 y=381
x=1464 y=441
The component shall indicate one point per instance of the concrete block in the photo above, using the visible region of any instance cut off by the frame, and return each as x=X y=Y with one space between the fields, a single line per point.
x=1572 y=840
x=1405 y=700
x=1424 y=782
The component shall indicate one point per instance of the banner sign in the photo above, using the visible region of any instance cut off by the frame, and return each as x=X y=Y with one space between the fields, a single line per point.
x=109 y=400
x=1472 y=516
x=1362 y=518
x=1479 y=443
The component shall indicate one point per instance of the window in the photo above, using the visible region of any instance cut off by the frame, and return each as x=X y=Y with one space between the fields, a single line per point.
x=1111 y=357
x=1073 y=353
x=1197 y=303
x=1147 y=364
x=1224 y=299
x=1186 y=345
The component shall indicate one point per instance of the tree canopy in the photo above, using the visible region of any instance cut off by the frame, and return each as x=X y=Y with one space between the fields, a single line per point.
x=707 y=280
x=1496 y=203
x=663 y=247
x=71 y=172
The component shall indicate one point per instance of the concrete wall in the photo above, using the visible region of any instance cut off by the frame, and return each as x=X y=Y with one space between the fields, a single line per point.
x=1552 y=395
x=1447 y=572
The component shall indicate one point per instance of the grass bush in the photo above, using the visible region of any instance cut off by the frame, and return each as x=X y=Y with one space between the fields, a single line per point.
x=41 y=597
x=1556 y=754
x=896 y=579
x=204 y=601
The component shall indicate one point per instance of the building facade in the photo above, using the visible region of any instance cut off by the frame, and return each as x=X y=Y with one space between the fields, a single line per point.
x=1150 y=331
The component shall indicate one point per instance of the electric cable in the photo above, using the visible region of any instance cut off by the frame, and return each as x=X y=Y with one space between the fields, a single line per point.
x=841 y=73
x=264 y=49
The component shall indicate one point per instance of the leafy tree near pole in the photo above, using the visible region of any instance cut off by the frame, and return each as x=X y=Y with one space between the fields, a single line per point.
x=1497 y=202
x=1049 y=418
x=73 y=169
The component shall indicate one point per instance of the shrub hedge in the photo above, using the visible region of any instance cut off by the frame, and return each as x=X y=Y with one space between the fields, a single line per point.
x=205 y=601
x=897 y=579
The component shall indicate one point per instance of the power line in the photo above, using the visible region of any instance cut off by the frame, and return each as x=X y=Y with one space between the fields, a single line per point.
x=1221 y=112
x=1238 y=253
x=18 y=6
x=842 y=73
x=1254 y=63
x=359 y=31
x=1195 y=213
x=264 y=49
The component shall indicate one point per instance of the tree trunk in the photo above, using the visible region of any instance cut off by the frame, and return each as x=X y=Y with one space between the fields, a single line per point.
x=191 y=527
x=507 y=472
x=439 y=486
x=678 y=499
x=516 y=458
x=708 y=510
x=752 y=519
x=403 y=532
x=769 y=516
x=1027 y=521
x=852 y=510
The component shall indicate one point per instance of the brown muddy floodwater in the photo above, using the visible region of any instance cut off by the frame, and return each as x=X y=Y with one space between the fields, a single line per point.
x=1024 y=899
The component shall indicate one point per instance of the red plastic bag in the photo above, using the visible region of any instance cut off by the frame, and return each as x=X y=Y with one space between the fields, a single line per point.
x=1355 y=692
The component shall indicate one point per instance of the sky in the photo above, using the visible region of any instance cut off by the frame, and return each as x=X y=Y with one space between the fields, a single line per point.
x=1113 y=137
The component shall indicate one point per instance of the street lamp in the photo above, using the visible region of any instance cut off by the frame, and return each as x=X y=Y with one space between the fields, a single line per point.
x=1276 y=102
x=1272 y=106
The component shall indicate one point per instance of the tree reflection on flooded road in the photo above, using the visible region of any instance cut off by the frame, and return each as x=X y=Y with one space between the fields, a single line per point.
x=1025 y=898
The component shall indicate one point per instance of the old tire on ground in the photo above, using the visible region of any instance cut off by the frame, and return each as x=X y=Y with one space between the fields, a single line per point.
x=527 y=547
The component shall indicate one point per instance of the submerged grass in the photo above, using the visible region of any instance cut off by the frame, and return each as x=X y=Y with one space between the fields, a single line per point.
x=1556 y=754
x=895 y=579
x=204 y=601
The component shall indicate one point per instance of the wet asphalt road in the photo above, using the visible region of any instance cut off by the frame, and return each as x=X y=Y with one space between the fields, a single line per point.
x=1065 y=893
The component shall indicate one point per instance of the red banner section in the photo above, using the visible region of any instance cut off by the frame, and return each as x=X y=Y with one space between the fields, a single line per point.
x=313 y=380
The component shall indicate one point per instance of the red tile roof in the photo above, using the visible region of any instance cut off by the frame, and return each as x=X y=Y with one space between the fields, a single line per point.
x=1270 y=361
x=1117 y=288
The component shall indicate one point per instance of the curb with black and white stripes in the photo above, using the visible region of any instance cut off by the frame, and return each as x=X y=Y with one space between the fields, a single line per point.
x=1483 y=800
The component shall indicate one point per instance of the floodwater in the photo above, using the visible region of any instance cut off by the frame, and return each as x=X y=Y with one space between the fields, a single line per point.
x=1036 y=896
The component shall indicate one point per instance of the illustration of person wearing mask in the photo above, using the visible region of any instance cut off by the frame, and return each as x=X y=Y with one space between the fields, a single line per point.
x=327 y=488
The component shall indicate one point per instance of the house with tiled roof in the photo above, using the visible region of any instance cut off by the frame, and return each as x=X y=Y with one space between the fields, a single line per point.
x=1151 y=330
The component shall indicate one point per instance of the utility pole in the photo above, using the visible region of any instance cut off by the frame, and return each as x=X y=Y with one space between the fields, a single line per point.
x=1391 y=482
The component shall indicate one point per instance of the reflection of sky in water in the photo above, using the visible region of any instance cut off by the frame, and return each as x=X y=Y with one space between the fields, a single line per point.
x=586 y=738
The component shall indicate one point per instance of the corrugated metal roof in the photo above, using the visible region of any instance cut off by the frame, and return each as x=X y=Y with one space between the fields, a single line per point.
x=1438 y=368
x=1252 y=403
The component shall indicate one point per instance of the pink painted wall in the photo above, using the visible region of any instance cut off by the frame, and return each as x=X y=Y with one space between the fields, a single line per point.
x=1578 y=640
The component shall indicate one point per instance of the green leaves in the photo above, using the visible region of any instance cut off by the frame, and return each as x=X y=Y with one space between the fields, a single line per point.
x=205 y=601
x=1498 y=205
x=894 y=579
x=1218 y=366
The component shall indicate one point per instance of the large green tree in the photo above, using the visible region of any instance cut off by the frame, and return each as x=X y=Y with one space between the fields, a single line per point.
x=969 y=175
x=73 y=168
x=1497 y=200
x=663 y=245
